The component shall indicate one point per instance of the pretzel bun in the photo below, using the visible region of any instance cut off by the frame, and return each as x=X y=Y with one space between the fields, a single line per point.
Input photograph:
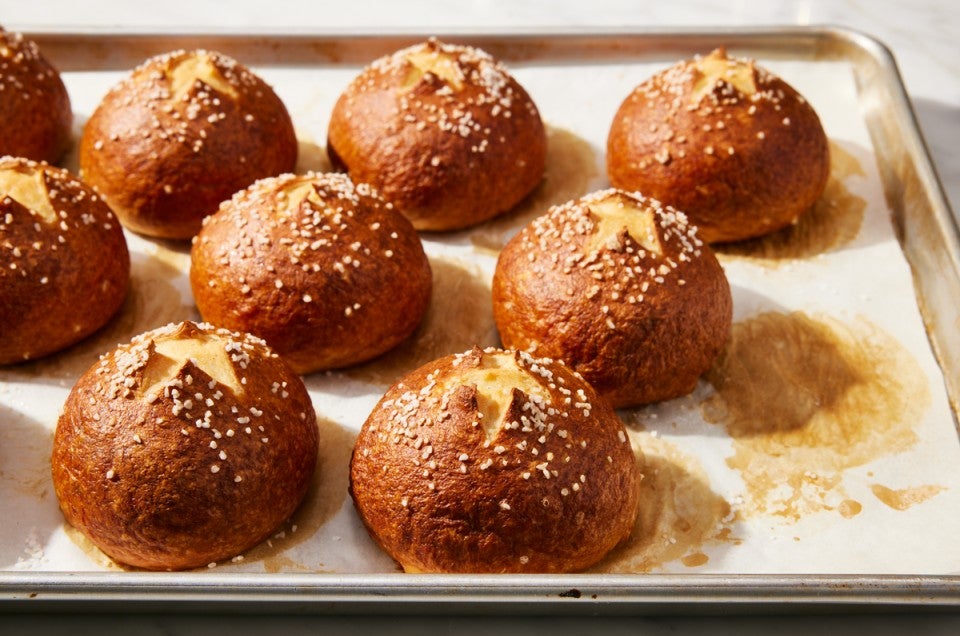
x=66 y=266
x=726 y=141
x=34 y=104
x=181 y=134
x=322 y=269
x=443 y=131
x=494 y=461
x=620 y=288
x=186 y=446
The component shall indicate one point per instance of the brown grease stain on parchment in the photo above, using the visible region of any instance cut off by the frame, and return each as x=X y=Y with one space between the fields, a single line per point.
x=571 y=165
x=460 y=316
x=152 y=301
x=679 y=513
x=833 y=221
x=849 y=508
x=806 y=398
x=325 y=496
x=695 y=560
x=904 y=498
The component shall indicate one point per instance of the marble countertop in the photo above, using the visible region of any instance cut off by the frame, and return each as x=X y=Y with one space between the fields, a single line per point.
x=922 y=35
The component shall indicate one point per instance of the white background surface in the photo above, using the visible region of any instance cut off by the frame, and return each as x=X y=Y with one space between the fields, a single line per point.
x=923 y=36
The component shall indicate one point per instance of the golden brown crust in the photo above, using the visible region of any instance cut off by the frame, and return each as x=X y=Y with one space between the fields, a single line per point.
x=34 y=104
x=180 y=135
x=323 y=270
x=493 y=461
x=621 y=289
x=66 y=267
x=185 y=447
x=443 y=131
x=725 y=141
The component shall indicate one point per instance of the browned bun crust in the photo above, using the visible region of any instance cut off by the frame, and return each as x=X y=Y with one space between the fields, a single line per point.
x=729 y=143
x=34 y=104
x=621 y=289
x=493 y=461
x=181 y=134
x=66 y=267
x=443 y=131
x=323 y=270
x=184 y=447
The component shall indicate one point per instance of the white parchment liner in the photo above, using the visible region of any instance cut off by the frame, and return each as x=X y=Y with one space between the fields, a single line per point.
x=864 y=284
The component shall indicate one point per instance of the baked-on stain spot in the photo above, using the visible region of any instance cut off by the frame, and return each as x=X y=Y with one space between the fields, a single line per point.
x=833 y=221
x=679 y=513
x=805 y=399
x=695 y=560
x=324 y=498
x=849 y=508
x=447 y=327
x=152 y=301
x=571 y=166
x=906 y=497
x=311 y=157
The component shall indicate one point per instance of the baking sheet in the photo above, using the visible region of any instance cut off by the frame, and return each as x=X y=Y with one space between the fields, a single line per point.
x=864 y=486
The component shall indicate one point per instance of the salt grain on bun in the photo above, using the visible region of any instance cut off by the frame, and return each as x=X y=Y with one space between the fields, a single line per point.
x=184 y=447
x=619 y=287
x=494 y=461
x=181 y=134
x=443 y=131
x=731 y=144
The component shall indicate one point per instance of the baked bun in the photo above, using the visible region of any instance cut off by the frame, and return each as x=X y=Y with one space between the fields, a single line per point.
x=729 y=143
x=494 y=461
x=323 y=270
x=186 y=446
x=65 y=268
x=620 y=288
x=443 y=131
x=181 y=134
x=34 y=104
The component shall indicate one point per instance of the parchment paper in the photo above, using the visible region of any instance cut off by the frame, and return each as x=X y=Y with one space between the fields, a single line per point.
x=866 y=480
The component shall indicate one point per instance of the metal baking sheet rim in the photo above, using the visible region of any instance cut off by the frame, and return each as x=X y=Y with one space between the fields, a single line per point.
x=503 y=593
x=930 y=238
